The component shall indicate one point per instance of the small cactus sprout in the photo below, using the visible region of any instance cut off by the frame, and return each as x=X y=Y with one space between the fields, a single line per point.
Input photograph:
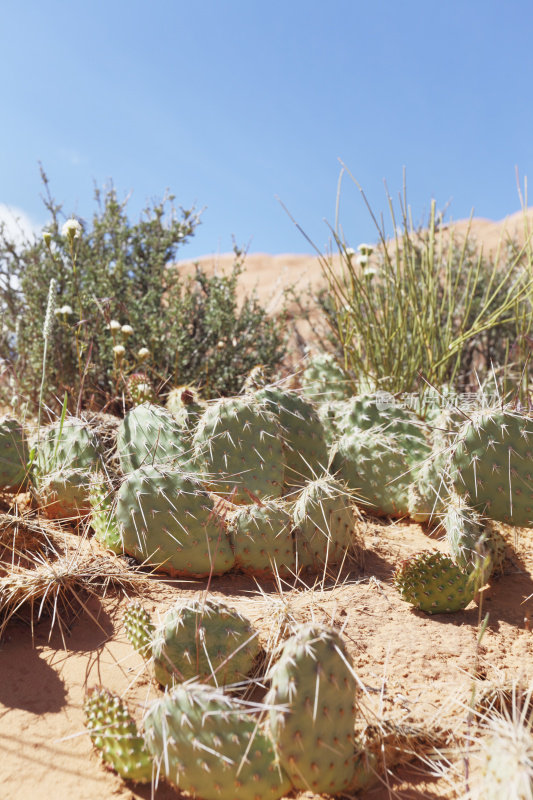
x=313 y=710
x=185 y=405
x=209 y=745
x=139 y=388
x=431 y=582
x=206 y=641
x=103 y=521
x=115 y=735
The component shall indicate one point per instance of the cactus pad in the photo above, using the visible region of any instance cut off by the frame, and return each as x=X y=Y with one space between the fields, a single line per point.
x=150 y=435
x=206 y=743
x=431 y=582
x=261 y=539
x=13 y=454
x=238 y=443
x=114 y=734
x=313 y=710
x=166 y=519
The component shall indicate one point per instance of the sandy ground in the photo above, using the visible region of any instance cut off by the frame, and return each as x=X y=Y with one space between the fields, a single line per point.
x=416 y=669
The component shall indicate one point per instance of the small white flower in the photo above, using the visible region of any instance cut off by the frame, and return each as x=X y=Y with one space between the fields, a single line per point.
x=350 y=251
x=221 y=345
x=114 y=325
x=127 y=330
x=47 y=238
x=66 y=311
x=71 y=229
x=119 y=351
x=58 y=312
x=365 y=249
x=362 y=260
x=143 y=354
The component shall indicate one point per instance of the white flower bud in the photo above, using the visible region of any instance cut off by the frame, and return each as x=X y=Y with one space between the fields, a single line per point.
x=143 y=354
x=114 y=325
x=127 y=330
x=119 y=352
x=366 y=249
x=66 y=311
x=71 y=229
x=47 y=238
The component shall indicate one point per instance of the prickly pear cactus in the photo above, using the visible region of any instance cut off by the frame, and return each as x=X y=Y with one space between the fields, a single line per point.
x=256 y=379
x=374 y=465
x=313 y=710
x=506 y=759
x=14 y=454
x=67 y=455
x=68 y=446
x=64 y=494
x=115 y=735
x=431 y=582
x=324 y=525
x=306 y=452
x=103 y=522
x=473 y=540
x=328 y=414
x=429 y=492
x=261 y=538
x=492 y=465
x=206 y=640
x=149 y=435
x=323 y=379
x=238 y=445
x=167 y=520
x=185 y=405
x=366 y=412
x=139 y=629
x=206 y=743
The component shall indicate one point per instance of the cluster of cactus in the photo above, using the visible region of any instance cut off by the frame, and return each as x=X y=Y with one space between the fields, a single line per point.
x=208 y=742
x=68 y=453
x=323 y=379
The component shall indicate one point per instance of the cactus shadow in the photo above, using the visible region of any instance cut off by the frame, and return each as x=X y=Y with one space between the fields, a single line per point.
x=28 y=682
x=163 y=792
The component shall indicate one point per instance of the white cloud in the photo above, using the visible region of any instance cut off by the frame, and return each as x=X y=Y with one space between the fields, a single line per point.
x=18 y=225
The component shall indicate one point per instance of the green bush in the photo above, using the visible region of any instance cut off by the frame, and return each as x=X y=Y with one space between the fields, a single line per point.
x=425 y=303
x=193 y=327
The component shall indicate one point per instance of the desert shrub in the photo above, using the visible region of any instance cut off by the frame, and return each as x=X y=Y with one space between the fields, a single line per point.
x=193 y=327
x=425 y=303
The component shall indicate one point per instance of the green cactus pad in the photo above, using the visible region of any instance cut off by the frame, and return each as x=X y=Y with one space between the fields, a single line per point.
x=167 y=520
x=14 y=454
x=492 y=465
x=313 y=710
x=103 y=521
x=261 y=538
x=72 y=445
x=64 y=494
x=139 y=629
x=306 y=452
x=206 y=743
x=238 y=443
x=366 y=412
x=324 y=525
x=203 y=640
x=431 y=582
x=150 y=435
x=374 y=465
x=323 y=379
x=114 y=734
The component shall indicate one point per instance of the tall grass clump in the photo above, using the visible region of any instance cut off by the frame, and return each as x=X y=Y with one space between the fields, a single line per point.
x=122 y=308
x=424 y=304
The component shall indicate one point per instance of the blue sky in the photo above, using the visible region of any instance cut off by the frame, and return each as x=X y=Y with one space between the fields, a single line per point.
x=230 y=103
